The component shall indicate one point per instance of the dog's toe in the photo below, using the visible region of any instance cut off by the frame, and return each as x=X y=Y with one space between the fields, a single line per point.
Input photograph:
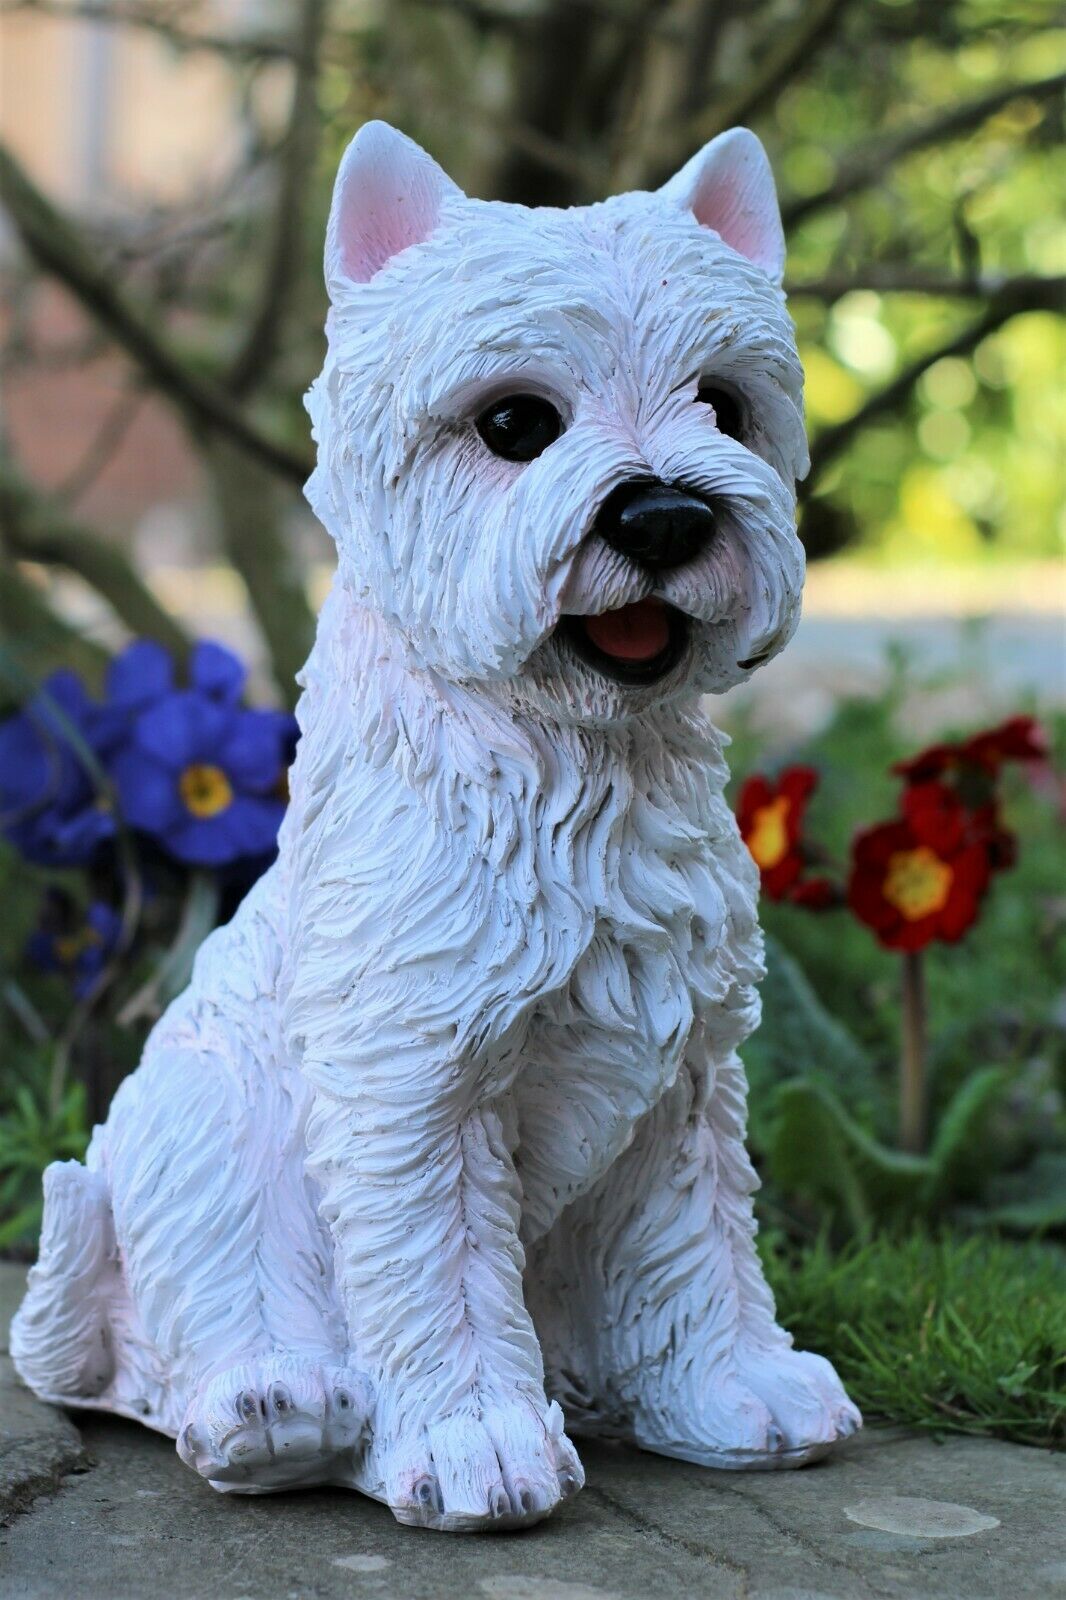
x=266 y=1425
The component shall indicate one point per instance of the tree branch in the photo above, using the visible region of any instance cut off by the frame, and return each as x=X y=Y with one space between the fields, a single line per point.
x=101 y=447
x=57 y=246
x=904 y=279
x=1021 y=295
x=866 y=168
x=34 y=529
x=35 y=637
x=792 y=53
x=297 y=159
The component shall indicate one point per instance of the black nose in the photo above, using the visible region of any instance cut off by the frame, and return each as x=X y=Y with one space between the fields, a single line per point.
x=657 y=524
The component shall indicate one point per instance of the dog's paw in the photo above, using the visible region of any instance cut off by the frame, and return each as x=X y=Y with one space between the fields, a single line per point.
x=502 y=1466
x=771 y=1407
x=806 y=1399
x=274 y=1422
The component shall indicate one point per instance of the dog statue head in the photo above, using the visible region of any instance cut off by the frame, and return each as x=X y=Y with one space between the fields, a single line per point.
x=557 y=450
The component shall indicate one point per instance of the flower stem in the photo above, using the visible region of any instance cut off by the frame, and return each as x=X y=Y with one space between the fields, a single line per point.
x=912 y=1088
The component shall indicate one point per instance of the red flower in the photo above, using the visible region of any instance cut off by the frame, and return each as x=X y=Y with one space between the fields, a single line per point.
x=1017 y=739
x=816 y=894
x=951 y=788
x=932 y=762
x=935 y=816
x=770 y=817
x=922 y=877
x=1000 y=843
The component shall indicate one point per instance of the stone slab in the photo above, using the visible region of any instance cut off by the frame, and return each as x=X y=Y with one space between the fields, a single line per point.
x=895 y=1515
x=39 y=1446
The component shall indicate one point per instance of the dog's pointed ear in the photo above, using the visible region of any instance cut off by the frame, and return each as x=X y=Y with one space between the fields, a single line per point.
x=728 y=186
x=388 y=195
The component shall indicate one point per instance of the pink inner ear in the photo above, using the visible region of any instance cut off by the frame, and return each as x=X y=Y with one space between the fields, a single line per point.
x=731 y=203
x=723 y=203
x=728 y=186
x=382 y=211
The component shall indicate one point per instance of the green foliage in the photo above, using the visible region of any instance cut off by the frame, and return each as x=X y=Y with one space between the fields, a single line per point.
x=799 y=1037
x=31 y=1136
x=961 y=1335
x=824 y=1065
x=819 y=1154
x=996 y=999
x=1033 y=1199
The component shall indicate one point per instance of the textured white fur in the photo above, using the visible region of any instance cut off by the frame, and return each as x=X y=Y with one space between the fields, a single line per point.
x=448 y=1127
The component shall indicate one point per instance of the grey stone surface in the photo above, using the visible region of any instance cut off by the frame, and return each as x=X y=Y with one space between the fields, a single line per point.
x=39 y=1446
x=893 y=1515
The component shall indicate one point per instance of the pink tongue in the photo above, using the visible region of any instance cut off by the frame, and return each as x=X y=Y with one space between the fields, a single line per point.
x=635 y=632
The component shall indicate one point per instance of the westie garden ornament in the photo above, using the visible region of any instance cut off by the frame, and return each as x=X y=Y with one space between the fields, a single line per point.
x=442 y=1150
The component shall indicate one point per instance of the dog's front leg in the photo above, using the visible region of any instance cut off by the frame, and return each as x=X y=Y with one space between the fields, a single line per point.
x=420 y=1193
x=650 y=1298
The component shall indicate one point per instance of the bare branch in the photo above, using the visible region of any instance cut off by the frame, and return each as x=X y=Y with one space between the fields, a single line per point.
x=904 y=279
x=34 y=636
x=58 y=247
x=297 y=159
x=792 y=54
x=34 y=529
x=1040 y=294
x=869 y=166
x=162 y=22
x=101 y=447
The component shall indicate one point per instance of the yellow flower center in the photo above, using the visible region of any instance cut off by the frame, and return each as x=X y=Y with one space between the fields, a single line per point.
x=768 y=839
x=917 y=882
x=205 y=790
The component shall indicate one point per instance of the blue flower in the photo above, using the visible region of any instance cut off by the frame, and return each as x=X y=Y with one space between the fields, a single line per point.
x=79 y=946
x=201 y=775
x=144 y=673
x=50 y=806
x=139 y=675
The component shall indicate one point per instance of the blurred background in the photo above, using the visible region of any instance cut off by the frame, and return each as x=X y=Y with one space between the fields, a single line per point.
x=166 y=175
x=165 y=171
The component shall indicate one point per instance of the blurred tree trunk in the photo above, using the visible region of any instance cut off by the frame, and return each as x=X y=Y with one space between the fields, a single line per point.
x=251 y=509
x=552 y=97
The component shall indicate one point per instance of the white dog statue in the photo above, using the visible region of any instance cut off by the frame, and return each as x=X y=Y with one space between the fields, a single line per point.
x=444 y=1142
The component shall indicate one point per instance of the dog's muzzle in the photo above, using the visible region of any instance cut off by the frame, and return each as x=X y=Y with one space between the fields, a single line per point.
x=658 y=525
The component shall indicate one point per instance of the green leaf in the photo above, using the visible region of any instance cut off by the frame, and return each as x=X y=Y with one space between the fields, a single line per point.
x=800 y=1038
x=171 y=976
x=1031 y=1200
x=818 y=1151
x=959 y=1155
x=23 y=1226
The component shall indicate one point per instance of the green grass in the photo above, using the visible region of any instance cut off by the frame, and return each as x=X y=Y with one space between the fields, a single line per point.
x=953 y=1334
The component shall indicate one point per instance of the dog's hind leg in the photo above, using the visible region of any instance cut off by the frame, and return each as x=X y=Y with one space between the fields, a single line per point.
x=61 y=1336
x=655 y=1318
x=76 y=1339
x=226 y=1263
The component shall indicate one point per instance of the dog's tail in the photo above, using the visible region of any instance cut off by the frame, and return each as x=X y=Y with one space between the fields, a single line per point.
x=61 y=1338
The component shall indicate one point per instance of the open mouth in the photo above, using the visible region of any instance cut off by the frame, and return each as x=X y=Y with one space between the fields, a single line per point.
x=638 y=643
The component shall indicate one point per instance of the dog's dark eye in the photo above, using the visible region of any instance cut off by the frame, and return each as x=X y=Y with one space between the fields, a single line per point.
x=727 y=414
x=519 y=427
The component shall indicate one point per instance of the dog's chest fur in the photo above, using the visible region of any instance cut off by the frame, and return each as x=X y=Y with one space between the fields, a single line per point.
x=529 y=887
x=669 y=937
